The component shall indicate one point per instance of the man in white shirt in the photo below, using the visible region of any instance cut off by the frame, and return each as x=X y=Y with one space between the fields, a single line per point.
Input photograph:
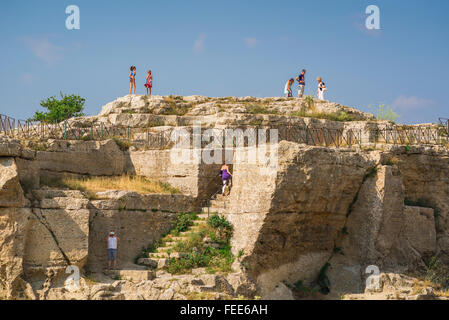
x=112 y=241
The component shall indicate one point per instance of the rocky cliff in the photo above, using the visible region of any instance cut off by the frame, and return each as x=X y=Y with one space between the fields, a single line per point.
x=312 y=225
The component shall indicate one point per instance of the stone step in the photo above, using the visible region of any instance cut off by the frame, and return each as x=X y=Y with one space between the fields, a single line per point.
x=219 y=204
x=221 y=197
x=164 y=249
x=186 y=234
x=131 y=275
x=153 y=263
x=178 y=238
x=213 y=210
x=195 y=227
x=159 y=255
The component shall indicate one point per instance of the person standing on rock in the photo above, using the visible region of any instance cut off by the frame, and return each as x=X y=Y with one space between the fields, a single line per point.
x=149 y=83
x=288 y=88
x=112 y=241
x=321 y=89
x=226 y=176
x=132 y=80
x=301 y=83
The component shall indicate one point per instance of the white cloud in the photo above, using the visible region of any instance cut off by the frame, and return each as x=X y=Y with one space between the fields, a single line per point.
x=27 y=78
x=43 y=49
x=198 y=45
x=411 y=102
x=251 y=42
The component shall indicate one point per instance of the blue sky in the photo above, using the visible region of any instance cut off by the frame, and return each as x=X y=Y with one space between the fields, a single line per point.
x=227 y=48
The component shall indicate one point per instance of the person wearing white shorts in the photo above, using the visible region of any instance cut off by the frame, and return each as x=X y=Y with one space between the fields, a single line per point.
x=301 y=90
x=301 y=78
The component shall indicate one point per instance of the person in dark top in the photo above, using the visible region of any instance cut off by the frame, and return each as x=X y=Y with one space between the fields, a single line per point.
x=301 y=83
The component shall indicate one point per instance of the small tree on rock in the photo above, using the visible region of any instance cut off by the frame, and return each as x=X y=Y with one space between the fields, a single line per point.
x=68 y=106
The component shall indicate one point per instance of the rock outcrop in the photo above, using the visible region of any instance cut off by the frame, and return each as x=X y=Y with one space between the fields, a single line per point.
x=310 y=217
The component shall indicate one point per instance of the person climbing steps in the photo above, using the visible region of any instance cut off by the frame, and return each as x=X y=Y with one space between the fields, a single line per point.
x=226 y=177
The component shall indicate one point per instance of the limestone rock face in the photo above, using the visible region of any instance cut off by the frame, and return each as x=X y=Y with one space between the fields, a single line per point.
x=280 y=292
x=325 y=206
x=13 y=226
x=374 y=231
x=82 y=157
x=392 y=286
x=306 y=211
x=194 y=179
x=347 y=209
x=11 y=193
x=138 y=220
x=426 y=175
x=58 y=234
x=139 y=111
x=420 y=230
x=9 y=147
x=288 y=227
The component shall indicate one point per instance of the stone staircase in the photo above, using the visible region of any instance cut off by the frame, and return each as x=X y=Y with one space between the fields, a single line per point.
x=159 y=259
x=131 y=274
x=218 y=204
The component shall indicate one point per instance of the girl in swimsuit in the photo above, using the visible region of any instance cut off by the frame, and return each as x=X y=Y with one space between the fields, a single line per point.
x=225 y=176
x=149 y=83
x=132 y=80
x=288 y=88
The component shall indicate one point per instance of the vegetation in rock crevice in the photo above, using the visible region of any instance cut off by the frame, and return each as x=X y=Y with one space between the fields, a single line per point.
x=92 y=184
x=208 y=247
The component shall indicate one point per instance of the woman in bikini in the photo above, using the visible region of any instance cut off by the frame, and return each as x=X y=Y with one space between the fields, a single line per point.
x=132 y=80
x=149 y=83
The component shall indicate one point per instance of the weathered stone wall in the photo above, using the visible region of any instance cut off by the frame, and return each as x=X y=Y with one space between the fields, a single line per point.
x=339 y=207
x=295 y=218
x=194 y=179
x=425 y=174
x=97 y=158
x=57 y=234
x=138 y=220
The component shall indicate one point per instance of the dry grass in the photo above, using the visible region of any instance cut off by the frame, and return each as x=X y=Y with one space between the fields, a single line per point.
x=442 y=293
x=92 y=185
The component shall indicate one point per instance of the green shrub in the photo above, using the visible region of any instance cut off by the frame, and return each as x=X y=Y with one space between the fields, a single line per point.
x=124 y=145
x=215 y=221
x=199 y=254
x=151 y=248
x=437 y=272
x=183 y=222
x=310 y=102
x=386 y=113
x=258 y=108
x=341 y=116
x=67 y=107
